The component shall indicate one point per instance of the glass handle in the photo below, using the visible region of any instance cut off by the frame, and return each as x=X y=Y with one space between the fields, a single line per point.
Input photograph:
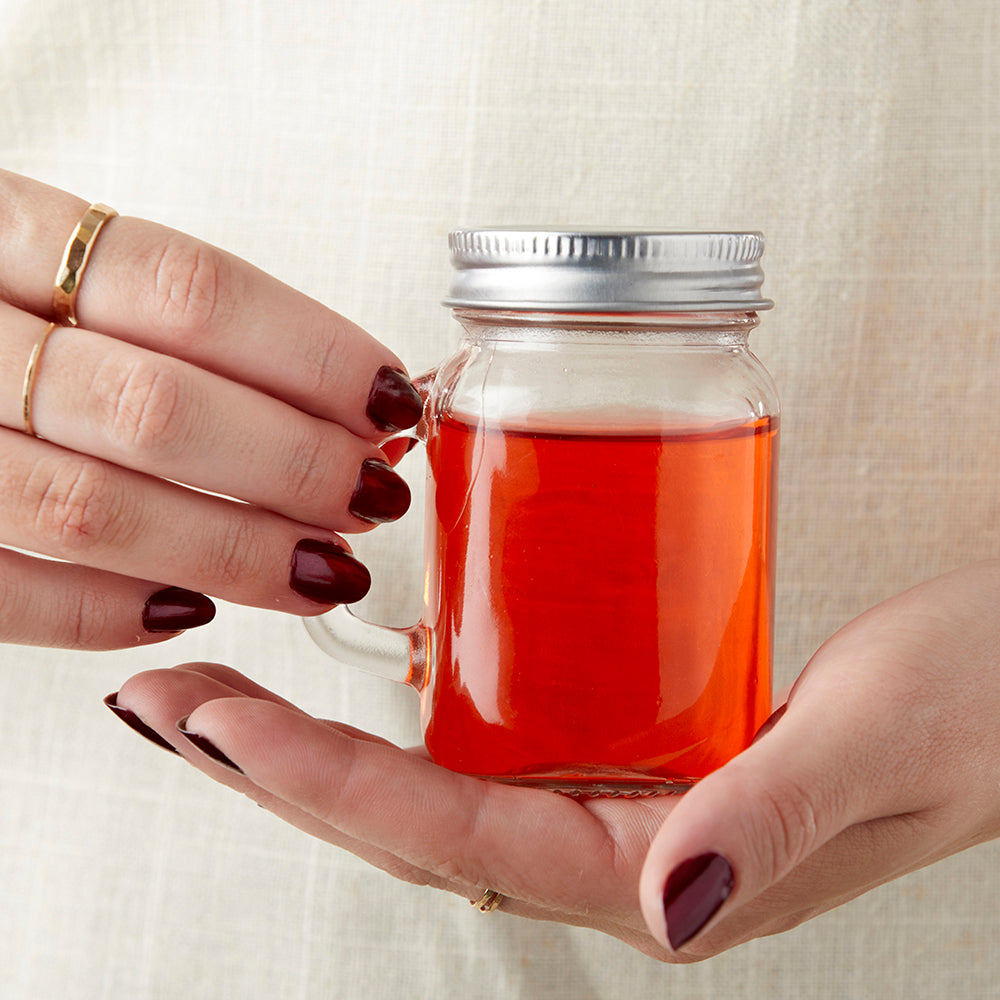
x=399 y=654
x=423 y=383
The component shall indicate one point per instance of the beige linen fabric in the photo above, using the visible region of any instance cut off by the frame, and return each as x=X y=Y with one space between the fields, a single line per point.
x=335 y=143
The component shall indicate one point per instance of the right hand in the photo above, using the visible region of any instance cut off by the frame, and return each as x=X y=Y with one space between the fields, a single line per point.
x=205 y=430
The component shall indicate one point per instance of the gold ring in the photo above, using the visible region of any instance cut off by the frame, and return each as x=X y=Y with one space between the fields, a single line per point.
x=488 y=901
x=74 y=260
x=29 y=378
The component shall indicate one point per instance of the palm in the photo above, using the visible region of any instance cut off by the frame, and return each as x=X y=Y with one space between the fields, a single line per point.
x=553 y=857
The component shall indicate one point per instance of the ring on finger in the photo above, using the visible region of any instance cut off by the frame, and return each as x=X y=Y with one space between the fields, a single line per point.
x=488 y=901
x=74 y=261
x=30 y=371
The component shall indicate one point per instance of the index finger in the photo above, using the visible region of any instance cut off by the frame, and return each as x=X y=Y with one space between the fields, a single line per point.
x=166 y=291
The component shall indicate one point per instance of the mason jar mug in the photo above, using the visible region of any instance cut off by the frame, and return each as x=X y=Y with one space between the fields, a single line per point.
x=600 y=514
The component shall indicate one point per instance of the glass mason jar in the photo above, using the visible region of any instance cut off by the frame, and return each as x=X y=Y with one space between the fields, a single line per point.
x=600 y=514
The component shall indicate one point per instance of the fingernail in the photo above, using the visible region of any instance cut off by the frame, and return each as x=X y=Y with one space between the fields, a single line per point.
x=393 y=403
x=327 y=574
x=695 y=890
x=206 y=746
x=380 y=495
x=134 y=722
x=175 y=609
x=396 y=448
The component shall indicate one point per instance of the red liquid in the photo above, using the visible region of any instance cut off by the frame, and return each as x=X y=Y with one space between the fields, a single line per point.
x=600 y=607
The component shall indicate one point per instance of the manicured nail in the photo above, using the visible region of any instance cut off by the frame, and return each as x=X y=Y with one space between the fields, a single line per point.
x=695 y=890
x=396 y=448
x=379 y=494
x=207 y=747
x=327 y=574
x=393 y=403
x=134 y=722
x=175 y=609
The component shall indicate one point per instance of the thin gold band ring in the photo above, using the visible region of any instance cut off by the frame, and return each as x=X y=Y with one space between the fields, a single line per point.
x=74 y=260
x=29 y=378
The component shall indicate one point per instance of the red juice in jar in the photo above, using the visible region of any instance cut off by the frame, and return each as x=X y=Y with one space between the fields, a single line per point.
x=598 y=602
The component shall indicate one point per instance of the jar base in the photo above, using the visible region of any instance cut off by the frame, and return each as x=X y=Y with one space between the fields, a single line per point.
x=598 y=786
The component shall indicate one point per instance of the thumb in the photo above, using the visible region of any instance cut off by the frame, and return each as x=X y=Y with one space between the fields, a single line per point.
x=746 y=826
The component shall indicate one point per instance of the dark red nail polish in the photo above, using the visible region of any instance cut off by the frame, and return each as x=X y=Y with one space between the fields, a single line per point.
x=134 y=722
x=695 y=890
x=175 y=609
x=206 y=746
x=396 y=448
x=380 y=495
x=393 y=403
x=327 y=574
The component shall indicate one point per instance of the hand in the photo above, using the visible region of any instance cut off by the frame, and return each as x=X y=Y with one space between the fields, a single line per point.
x=191 y=379
x=884 y=759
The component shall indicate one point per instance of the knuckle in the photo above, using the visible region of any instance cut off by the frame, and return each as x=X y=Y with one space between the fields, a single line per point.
x=303 y=479
x=81 y=619
x=14 y=219
x=789 y=827
x=77 y=503
x=143 y=405
x=188 y=281
x=13 y=605
x=88 y=619
x=324 y=362
x=473 y=828
x=236 y=555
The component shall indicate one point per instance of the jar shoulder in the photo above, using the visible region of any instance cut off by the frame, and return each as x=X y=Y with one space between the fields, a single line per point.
x=599 y=384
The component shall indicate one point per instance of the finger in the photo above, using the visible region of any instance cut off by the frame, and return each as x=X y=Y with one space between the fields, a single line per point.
x=99 y=396
x=748 y=826
x=46 y=603
x=162 y=696
x=239 y=684
x=152 y=702
x=73 y=507
x=857 y=860
x=217 y=681
x=170 y=293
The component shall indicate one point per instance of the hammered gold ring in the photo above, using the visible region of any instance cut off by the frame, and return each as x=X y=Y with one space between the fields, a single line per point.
x=29 y=378
x=488 y=901
x=74 y=261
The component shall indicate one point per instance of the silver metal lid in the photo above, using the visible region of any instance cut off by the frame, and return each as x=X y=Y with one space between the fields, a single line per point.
x=593 y=270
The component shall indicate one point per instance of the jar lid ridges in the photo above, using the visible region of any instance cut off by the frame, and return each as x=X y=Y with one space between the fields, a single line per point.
x=591 y=270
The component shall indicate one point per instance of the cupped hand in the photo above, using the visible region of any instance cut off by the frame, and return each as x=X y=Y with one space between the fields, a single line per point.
x=885 y=758
x=204 y=430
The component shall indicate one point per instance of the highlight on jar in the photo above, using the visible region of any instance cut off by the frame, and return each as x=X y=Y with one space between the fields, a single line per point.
x=599 y=547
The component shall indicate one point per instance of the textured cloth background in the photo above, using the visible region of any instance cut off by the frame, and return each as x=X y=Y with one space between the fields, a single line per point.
x=335 y=143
